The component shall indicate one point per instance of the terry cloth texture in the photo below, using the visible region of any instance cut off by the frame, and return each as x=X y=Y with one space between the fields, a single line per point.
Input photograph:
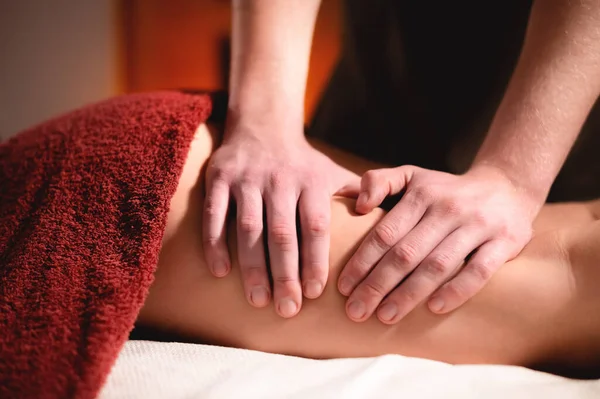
x=83 y=206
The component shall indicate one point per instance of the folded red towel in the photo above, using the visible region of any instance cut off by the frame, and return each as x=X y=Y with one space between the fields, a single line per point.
x=83 y=205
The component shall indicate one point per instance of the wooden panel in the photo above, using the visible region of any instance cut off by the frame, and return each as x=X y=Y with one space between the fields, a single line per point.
x=185 y=44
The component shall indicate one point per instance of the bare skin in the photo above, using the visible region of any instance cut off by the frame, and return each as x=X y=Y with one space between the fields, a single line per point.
x=540 y=308
x=554 y=85
x=552 y=89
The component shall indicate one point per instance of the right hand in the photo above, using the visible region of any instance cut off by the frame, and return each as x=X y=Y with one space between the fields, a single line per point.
x=281 y=175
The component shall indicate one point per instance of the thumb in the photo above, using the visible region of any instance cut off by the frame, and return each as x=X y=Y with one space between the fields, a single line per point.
x=377 y=184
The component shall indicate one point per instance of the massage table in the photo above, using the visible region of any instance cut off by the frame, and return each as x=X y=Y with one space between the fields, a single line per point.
x=148 y=369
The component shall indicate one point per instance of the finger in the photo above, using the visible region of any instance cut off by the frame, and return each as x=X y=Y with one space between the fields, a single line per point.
x=283 y=251
x=377 y=184
x=433 y=271
x=391 y=229
x=214 y=225
x=397 y=263
x=251 y=255
x=477 y=272
x=350 y=190
x=315 y=215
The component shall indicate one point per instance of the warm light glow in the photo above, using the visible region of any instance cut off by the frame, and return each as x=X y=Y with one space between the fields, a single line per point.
x=184 y=44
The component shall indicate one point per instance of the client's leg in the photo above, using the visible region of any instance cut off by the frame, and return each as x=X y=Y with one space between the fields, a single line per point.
x=539 y=308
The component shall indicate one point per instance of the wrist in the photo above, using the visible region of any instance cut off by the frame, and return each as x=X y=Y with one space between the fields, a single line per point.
x=262 y=93
x=534 y=194
x=257 y=99
x=265 y=111
x=263 y=126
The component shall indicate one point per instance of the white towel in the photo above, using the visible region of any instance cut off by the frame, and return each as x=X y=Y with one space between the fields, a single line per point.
x=148 y=370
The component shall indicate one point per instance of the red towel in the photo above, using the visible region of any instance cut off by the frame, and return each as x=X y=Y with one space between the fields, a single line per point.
x=83 y=205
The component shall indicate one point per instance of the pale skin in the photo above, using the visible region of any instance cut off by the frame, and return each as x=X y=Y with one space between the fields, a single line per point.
x=487 y=212
x=538 y=309
x=265 y=161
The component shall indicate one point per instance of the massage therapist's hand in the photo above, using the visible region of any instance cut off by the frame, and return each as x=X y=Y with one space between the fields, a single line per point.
x=418 y=248
x=281 y=175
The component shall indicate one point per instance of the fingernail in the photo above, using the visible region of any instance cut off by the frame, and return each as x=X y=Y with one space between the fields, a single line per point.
x=388 y=311
x=220 y=268
x=259 y=296
x=436 y=304
x=362 y=199
x=346 y=284
x=312 y=289
x=356 y=309
x=287 y=307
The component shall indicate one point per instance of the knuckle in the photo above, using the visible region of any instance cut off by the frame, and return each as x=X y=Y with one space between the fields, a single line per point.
x=456 y=290
x=482 y=271
x=504 y=231
x=373 y=288
x=283 y=236
x=213 y=206
x=314 y=180
x=211 y=209
x=370 y=176
x=285 y=280
x=438 y=266
x=511 y=236
x=385 y=234
x=507 y=230
x=278 y=178
x=252 y=272
x=412 y=169
x=451 y=207
x=480 y=219
x=250 y=224
x=210 y=242
x=318 y=225
x=221 y=174
x=404 y=255
x=248 y=179
x=422 y=194
x=358 y=267
x=316 y=267
x=407 y=294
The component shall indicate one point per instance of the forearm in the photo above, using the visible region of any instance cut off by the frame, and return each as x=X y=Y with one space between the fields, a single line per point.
x=554 y=86
x=269 y=61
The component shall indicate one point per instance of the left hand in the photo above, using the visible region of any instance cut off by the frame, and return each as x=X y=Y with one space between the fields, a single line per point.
x=423 y=241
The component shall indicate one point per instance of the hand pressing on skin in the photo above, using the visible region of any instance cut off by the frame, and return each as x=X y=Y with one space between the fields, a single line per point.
x=417 y=248
x=283 y=176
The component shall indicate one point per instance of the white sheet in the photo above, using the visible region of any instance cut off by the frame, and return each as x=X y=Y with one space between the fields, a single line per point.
x=174 y=370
